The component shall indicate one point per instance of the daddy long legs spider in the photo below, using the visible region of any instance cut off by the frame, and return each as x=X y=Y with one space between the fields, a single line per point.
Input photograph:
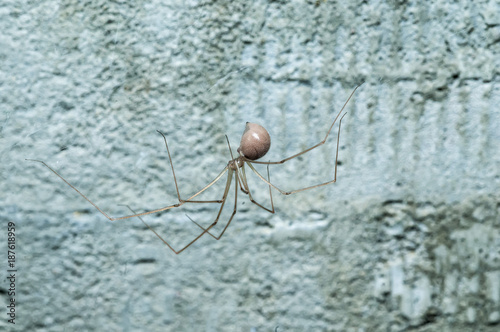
x=255 y=142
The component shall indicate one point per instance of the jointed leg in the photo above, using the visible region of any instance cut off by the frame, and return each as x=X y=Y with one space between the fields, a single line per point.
x=158 y=235
x=189 y=200
x=312 y=147
x=175 y=179
x=232 y=215
x=223 y=201
x=247 y=189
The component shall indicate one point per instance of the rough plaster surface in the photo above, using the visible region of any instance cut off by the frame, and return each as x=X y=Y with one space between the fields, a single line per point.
x=408 y=238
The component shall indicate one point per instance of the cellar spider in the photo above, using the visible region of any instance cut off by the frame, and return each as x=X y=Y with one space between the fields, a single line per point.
x=255 y=142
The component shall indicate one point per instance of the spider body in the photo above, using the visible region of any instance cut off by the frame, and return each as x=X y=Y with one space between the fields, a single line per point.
x=236 y=163
x=255 y=143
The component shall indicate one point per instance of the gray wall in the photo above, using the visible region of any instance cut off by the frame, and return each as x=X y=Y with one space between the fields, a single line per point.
x=408 y=238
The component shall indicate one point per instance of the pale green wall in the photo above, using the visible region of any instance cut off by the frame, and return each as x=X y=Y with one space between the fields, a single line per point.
x=408 y=237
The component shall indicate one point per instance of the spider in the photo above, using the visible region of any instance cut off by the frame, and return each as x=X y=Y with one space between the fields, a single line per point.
x=255 y=142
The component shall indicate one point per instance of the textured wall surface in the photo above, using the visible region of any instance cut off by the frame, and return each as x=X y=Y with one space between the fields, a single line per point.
x=407 y=239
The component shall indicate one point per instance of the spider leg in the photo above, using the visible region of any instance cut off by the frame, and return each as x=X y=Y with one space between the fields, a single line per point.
x=232 y=215
x=243 y=188
x=189 y=200
x=205 y=230
x=175 y=178
x=245 y=184
x=158 y=235
x=312 y=147
x=310 y=187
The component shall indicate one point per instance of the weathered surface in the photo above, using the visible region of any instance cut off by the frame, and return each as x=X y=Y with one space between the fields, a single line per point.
x=408 y=238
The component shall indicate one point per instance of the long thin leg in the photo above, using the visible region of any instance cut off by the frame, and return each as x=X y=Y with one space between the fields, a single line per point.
x=237 y=181
x=232 y=215
x=312 y=147
x=310 y=187
x=152 y=230
x=223 y=201
x=247 y=188
x=243 y=188
x=147 y=212
x=175 y=178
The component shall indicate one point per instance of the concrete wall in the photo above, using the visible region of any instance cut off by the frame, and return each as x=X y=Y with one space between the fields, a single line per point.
x=408 y=238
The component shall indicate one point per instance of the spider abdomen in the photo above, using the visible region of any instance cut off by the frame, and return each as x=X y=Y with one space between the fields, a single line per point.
x=255 y=141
